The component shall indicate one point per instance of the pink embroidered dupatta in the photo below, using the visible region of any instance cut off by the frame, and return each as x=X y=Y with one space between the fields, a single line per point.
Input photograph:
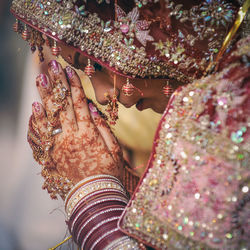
x=195 y=191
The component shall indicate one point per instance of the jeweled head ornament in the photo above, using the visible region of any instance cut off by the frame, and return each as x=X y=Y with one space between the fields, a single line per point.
x=144 y=39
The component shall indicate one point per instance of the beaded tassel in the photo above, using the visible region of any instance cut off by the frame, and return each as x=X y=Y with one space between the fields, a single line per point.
x=40 y=42
x=128 y=88
x=89 y=69
x=25 y=33
x=33 y=42
x=167 y=90
x=16 y=26
x=55 y=50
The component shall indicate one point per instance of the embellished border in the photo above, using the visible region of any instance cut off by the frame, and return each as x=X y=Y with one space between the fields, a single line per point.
x=88 y=36
x=137 y=220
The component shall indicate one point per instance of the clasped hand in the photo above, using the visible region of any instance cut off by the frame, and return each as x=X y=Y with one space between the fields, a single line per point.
x=79 y=142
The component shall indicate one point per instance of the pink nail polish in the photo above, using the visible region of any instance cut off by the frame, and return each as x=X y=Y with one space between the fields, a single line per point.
x=36 y=107
x=69 y=72
x=54 y=66
x=93 y=109
x=43 y=80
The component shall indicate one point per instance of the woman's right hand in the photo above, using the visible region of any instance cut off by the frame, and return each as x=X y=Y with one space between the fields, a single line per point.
x=85 y=146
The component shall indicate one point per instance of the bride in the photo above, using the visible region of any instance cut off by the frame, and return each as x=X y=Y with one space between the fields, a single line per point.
x=195 y=191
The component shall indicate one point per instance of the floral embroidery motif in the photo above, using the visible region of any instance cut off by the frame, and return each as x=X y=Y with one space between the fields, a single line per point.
x=204 y=18
x=125 y=45
x=173 y=53
x=130 y=25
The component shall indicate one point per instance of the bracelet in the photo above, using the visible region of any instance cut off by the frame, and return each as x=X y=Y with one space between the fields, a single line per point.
x=85 y=189
x=74 y=204
x=95 y=227
x=85 y=181
x=123 y=243
x=79 y=219
x=93 y=207
x=103 y=236
x=96 y=215
x=111 y=201
x=87 y=202
x=101 y=241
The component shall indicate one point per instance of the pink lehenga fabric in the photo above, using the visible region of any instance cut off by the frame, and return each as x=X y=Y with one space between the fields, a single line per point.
x=195 y=192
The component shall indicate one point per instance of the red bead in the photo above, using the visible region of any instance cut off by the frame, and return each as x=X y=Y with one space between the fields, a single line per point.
x=55 y=50
x=89 y=70
x=25 y=35
x=128 y=88
x=167 y=90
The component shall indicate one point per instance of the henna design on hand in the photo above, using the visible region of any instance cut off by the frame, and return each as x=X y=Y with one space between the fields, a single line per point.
x=86 y=145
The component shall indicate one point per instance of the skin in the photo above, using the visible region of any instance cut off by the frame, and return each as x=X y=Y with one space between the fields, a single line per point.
x=103 y=82
x=86 y=146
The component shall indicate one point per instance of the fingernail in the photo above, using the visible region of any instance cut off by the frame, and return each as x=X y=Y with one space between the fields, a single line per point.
x=93 y=109
x=54 y=66
x=69 y=72
x=42 y=79
x=36 y=107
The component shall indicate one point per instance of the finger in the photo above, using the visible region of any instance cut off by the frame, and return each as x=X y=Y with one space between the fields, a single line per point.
x=45 y=91
x=33 y=136
x=67 y=115
x=106 y=133
x=33 y=131
x=79 y=99
x=44 y=88
x=40 y=119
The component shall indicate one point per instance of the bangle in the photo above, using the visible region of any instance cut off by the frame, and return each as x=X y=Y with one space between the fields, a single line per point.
x=93 y=207
x=123 y=243
x=111 y=201
x=96 y=215
x=85 y=189
x=86 y=202
x=85 y=181
x=95 y=195
x=101 y=241
x=103 y=236
x=115 y=218
x=91 y=186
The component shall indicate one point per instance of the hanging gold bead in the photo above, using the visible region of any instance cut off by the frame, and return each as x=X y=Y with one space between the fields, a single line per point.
x=167 y=90
x=25 y=33
x=89 y=69
x=128 y=88
x=16 y=26
x=55 y=50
